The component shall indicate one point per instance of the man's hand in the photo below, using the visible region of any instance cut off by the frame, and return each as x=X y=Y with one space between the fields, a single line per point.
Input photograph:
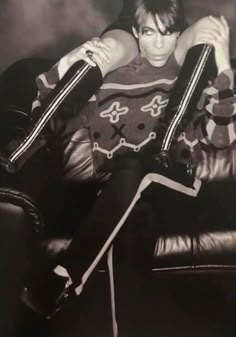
x=217 y=34
x=113 y=50
x=100 y=54
x=210 y=30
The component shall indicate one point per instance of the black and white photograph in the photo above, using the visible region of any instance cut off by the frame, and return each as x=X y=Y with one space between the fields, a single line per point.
x=117 y=168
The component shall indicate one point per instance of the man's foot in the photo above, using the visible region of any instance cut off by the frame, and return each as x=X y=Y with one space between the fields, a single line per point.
x=47 y=297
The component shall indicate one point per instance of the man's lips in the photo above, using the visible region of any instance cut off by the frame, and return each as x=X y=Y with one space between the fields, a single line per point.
x=158 y=57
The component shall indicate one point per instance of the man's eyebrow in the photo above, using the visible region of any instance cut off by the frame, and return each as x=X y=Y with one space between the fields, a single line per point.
x=147 y=27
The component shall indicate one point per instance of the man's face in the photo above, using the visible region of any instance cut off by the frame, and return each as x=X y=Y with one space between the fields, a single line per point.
x=155 y=42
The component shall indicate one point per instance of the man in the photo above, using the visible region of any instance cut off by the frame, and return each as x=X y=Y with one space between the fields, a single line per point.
x=160 y=58
x=122 y=116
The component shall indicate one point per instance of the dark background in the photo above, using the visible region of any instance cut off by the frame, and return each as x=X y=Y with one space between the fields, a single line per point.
x=50 y=28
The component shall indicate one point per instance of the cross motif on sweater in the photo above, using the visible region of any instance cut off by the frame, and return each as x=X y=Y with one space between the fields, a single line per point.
x=114 y=112
x=155 y=106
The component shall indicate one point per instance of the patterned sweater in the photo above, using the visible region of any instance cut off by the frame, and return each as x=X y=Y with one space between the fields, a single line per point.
x=123 y=114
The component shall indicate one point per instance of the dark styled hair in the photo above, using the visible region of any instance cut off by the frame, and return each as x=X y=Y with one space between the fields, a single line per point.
x=170 y=12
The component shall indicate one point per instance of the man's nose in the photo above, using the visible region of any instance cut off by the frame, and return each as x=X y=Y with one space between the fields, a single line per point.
x=159 y=41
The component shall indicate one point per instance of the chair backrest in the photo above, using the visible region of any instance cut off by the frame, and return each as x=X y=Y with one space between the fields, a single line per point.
x=17 y=83
x=17 y=91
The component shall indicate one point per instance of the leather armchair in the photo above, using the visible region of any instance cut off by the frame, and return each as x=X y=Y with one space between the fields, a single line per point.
x=205 y=243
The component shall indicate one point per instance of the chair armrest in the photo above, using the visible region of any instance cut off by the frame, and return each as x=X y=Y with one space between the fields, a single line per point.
x=22 y=200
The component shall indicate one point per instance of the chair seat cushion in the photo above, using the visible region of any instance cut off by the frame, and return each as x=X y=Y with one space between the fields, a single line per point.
x=207 y=249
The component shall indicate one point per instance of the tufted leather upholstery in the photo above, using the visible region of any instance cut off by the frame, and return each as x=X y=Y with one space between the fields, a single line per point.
x=207 y=240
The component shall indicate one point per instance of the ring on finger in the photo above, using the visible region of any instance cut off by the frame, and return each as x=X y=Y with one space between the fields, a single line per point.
x=89 y=53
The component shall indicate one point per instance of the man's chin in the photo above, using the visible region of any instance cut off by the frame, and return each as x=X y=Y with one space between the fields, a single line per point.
x=158 y=63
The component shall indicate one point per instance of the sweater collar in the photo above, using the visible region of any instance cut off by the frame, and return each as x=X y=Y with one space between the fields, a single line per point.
x=142 y=65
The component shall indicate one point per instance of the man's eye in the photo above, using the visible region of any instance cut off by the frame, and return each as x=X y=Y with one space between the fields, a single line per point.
x=166 y=32
x=147 y=32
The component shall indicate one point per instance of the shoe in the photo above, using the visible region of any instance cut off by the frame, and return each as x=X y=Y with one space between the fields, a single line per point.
x=46 y=298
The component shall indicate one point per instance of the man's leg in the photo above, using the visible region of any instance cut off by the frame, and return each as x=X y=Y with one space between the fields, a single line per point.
x=97 y=230
x=95 y=235
x=46 y=285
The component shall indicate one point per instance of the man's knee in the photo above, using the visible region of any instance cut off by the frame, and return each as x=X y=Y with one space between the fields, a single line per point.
x=124 y=48
x=191 y=36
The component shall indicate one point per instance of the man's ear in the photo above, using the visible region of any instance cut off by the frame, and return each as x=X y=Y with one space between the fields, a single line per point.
x=135 y=32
